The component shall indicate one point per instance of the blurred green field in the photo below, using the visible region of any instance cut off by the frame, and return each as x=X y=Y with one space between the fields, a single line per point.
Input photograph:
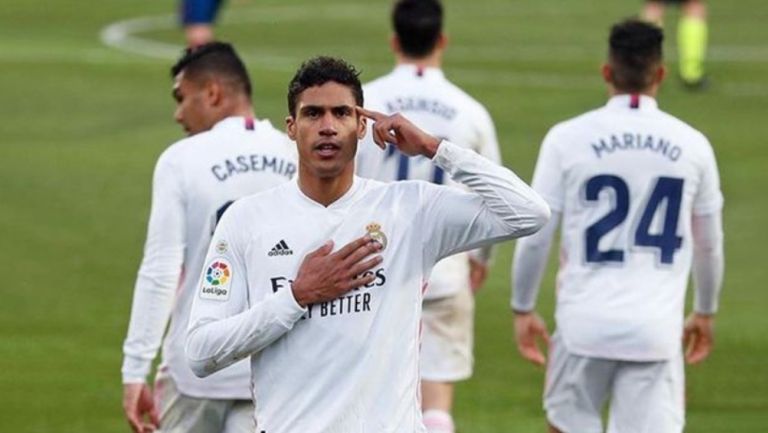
x=81 y=125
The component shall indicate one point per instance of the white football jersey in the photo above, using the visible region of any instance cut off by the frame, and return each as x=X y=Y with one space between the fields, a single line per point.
x=627 y=178
x=428 y=99
x=195 y=180
x=349 y=365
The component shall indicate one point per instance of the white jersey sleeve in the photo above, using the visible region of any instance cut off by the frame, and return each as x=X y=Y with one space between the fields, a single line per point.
x=489 y=148
x=529 y=263
x=159 y=273
x=548 y=174
x=709 y=197
x=224 y=326
x=708 y=262
x=531 y=253
x=499 y=207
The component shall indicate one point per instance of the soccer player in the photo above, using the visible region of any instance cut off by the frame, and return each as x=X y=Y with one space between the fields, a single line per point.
x=639 y=196
x=333 y=333
x=228 y=155
x=197 y=18
x=418 y=89
x=691 y=37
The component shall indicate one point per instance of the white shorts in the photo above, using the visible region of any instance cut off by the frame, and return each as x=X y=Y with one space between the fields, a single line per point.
x=183 y=414
x=446 y=337
x=645 y=397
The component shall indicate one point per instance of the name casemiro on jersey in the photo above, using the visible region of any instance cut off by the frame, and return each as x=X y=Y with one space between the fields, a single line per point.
x=253 y=163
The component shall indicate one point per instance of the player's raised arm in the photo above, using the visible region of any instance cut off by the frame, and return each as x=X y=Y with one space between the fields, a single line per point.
x=401 y=132
x=499 y=207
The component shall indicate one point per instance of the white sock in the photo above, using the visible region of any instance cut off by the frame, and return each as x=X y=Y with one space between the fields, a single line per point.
x=438 y=421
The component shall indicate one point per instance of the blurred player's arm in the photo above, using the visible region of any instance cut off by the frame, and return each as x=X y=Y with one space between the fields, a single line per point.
x=225 y=329
x=531 y=254
x=708 y=265
x=158 y=277
x=708 y=262
x=528 y=265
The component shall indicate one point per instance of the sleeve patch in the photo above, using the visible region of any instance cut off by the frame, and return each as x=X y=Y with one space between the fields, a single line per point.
x=217 y=280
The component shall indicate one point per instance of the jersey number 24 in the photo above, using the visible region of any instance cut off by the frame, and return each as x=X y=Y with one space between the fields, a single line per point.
x=669 y=189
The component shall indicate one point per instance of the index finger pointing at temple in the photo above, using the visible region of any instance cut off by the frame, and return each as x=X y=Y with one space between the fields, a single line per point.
x=373 y=115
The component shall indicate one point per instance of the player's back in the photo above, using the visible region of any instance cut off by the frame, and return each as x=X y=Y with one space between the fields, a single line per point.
x=428 y=99
x=236 y=158
x=627 y=178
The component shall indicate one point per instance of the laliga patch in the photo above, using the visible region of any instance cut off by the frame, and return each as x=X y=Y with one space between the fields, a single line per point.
x=217 y=281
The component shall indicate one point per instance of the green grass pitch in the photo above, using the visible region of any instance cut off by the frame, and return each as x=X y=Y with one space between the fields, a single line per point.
x=81 y=125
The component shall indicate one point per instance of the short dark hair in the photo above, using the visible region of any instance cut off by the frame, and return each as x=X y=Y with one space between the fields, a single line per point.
x=320 y=70
x=635 y=53
x=214 y=59
x=418 y=24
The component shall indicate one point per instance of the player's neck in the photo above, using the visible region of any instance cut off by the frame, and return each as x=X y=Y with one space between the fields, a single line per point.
x=433 y=60
x=612 y=91
x=325 y=190
x=242 y=109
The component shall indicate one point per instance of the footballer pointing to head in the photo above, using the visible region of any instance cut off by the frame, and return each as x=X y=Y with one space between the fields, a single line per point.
x=321 y=278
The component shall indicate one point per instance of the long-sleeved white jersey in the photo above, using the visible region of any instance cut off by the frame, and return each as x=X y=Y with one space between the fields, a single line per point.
x=349 y=365
x=629 y=180
x=195 y=180
x=428 y=99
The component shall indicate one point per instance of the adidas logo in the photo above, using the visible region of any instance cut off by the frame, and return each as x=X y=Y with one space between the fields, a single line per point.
x=280 y=249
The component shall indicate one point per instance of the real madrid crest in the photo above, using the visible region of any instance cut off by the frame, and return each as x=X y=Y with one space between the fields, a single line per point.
x=374 y=230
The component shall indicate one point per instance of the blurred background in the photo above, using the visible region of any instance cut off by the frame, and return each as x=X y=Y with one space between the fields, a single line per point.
x=86 y=108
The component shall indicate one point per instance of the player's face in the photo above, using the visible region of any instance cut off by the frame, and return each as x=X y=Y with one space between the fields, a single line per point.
x=193 y=110
x=326 y=128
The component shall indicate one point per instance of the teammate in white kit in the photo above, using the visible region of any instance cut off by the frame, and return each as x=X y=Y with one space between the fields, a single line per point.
x=228 y=155
x=334 y=337
x=639 y=195
x=418 y=89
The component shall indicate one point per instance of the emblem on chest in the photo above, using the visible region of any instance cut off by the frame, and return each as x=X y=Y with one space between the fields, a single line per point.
x=374 y=231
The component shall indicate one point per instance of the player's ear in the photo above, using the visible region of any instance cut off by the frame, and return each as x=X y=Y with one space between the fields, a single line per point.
x=607 y=72
x=362 y=123
x=661 y=74
x=394 y=44
x=290 y=127
x=213 y=92
x=442 y=41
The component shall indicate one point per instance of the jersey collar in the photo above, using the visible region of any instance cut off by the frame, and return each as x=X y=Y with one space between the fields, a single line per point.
x=632 y=102
x=410 y=70
x=239 y=122
x=341 y=202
